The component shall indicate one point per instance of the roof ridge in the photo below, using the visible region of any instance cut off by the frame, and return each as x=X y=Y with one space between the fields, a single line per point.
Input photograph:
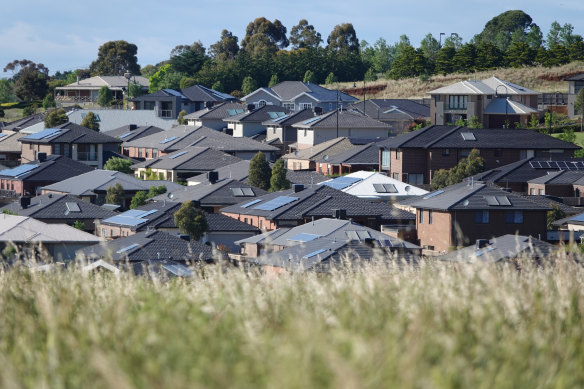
x=479 y=186
x=448 y=133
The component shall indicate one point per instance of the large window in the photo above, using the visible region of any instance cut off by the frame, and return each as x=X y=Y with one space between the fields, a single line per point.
x=289 y=106
x=482 y=217
x=386 y=159
x=261 y=103
x=457 y=102
x=514 y=217
x=421 y=216
x=416 y=178
x=305 y=105
x=430 y=216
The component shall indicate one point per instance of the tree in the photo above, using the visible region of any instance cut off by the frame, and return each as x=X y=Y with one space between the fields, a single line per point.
x=453 y=40
x=408 y=62
x=49 y=101
x=248 y=85
x=309 y=77
x=165 y=78
x=534 y=37
x=504 y=25
x=278 y=181
x=259 y=171
x=262 y=35
x=156 y=190
x=104 y=96
x=188 y=61
x=343 y=38
x=555 y=214
x=115 y=195
x=303 y=36
x=90 y=121
x=226 y=48
x=488 y=56
x=474 y=122
x=191 y=220
x=139 y=199
x=181 y=118
x=331 y=79
x=135 y=90
x=465 y=57
x=115 y=58
x=119 y=164
x=273 y=80
x=55 y=118
x=520 y=54
x=79 y=225
x=579 y=106
x=445 y=60
x=6 y=95
x=430 y=47
x=30 y=85
x=469 y=166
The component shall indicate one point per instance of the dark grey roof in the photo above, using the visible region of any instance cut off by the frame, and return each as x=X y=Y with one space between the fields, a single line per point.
x=216 y=112
x=291 y=118
x=527 y=169
x=330 y=147
x=161 y=94
x=577 y=77
x=202 y=93
x=258 y=115
x=360 y=155
x=156 y=212
x=382 y=109
x=492 y=138
x=305 y=177
x=72 y=133
x=503 y=248
x=344 y=119
x=56 y=206
x=560 y=177
x=131 y=131
x=25 y=122
x=55 y=168
x=193 y=158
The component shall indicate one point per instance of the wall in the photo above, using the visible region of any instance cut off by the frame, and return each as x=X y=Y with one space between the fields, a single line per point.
x=300 y=164
x=30 y=151
x=261 y=95
x=257 y=221
x=437 y=234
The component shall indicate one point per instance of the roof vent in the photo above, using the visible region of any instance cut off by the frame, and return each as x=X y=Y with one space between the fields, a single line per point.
x=24 y=202
x=298 y=188
x=213 y=176
x=481 y=243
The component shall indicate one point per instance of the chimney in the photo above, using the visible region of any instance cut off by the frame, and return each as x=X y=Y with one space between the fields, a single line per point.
x=250 y=107
x=42 y=157
x=213 y=176
x=24 y=202
x=481 y=243
x=317 y=111
x=340 y=214
x=298 y=188
x=132 y=127
x=208 y=104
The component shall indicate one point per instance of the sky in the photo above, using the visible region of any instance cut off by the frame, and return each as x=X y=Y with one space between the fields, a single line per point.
x=65 y=35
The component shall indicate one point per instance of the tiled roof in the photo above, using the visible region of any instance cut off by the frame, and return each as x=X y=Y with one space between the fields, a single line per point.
x=342 y=118
x=72 y=133
x=190 y=158
x=9 y=142
x=330 y=147
x=577 y=77
x=54 y=169
x=360 y=155
x=27 y=229
x=153 y=212
x=560 y=177
x=131 y=132
x=489 y=86
x=258 y=115
x=525 y=170
x=216 y=112
x=202 y=93
x=288 y=90
x=58 y=206
x=110 y=119
x=291 y=118
x=109 y=81
x=25 y=122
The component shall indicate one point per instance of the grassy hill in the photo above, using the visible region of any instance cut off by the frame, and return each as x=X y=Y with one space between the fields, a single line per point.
x=538 y=78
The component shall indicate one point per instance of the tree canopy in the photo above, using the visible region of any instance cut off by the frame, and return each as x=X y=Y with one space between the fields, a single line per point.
x=303 y=36
x=469 y=166
x=119 y=164
x=56 y=117
x=90 y=121
x=278 y=181
x=191 y=220
x=115 y=58
x=259 y=171
x=343 y=38
x=104 y=96
x=115 y=195
x=262 y=35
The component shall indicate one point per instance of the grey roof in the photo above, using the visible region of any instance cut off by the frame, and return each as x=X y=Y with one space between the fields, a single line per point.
x=506 y=106
x=577 y=77
x=258 y=115
x=131 y=131
x=97 y=181
x=330 y=147
x=54 y=169
x=27 y=229
x=560 y=177
x=202 y=93
x=288 y=90
x=110 y=119
x=342 y=118
x=144 y=216
x=291 y=118
x=216 y=112
x=475 y=196
x=113 y=82
x=25 y=122
x=9 y=142
x=434 y=137
x=193 y=158
x=488 y=86
x=71 y=133
x=503 y=248
x=59 y=206
x=360 y=155
x=528 y=169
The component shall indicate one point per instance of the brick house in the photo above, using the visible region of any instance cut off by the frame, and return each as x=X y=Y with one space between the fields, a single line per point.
x=415 y=156
x=400 y=114
x=212 y=117
x=10 y=148
x=305 y=159
x=575 y=83
x=363 y=157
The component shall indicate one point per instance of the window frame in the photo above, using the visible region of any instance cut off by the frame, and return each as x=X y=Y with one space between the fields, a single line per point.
x=482 y=217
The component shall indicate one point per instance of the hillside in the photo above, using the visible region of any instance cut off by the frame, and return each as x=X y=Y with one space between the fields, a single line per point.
x=538 y=78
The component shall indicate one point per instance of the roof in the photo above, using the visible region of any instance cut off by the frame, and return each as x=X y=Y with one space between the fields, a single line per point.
x=55 y=168
x=143 y=216
x=330 y=147
x=476 y=196
x=160 y=95
x=290 y=90
x=99 y=180
x=503 y=248
x=110 y=119
x=560 y=177
x=318 y=201
x=290 y=118
x=504 y=106
x=218 y=112
x=457 y=137
x=193 y=158
x=59 y=206
x=530 y=168
x=202 y=93
x=360 y=155
x=69 y=133
x=258 y=115
x=342 y=118
x=488 y=86
x=26 y=229
x=577 y=77
x=9 y=142
x=113 y=82
x=25 y=122
x=131 y=131
x=373 y=185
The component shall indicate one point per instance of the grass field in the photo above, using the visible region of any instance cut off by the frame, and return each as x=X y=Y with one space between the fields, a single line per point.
x=436 y=326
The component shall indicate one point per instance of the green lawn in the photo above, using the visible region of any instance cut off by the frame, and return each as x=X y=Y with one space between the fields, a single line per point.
x=579 y=138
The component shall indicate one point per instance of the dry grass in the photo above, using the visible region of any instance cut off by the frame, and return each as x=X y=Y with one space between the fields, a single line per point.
x=539 y=78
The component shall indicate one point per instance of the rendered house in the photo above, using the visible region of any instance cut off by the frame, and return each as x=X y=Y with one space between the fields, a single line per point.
x=212 y=117
x=249 y=122
x=305 y=159
x=575 y=83
x=400 y=114
x=86 y=91
x=461 y=214
x=415 y=156
x=72 y=141
x=493 y=101
x=364 y=157
x=296 y=95
x=281 y=129
x=111 y=119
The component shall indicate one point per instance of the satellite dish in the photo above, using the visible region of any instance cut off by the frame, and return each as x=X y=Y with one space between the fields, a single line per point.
x=170 y=195
x=407 y=188
x=465 y=203
x=296 y=153
x=326 y=157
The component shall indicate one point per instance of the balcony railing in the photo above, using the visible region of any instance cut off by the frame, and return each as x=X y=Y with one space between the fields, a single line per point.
x=455 y=107
x=75 y=99
x=165 y=113
x=86 y=156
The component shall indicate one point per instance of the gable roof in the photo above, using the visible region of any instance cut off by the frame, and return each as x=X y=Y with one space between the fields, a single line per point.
x=387 y=108
x=560 y=177
x=360 y=155
x=9 y=142
x=190 y=158
x=59 y=206
x=55 y=168
x=25 y=122
x=202 y=93
x=217 y=112
x=289 y=90
x=290 y=118
x=69 y=133
x=344 y=118
x=487 y=86
x=131 y=132
x=373 y=185
x=110 y=119
x=330 y=147
x=112 y=82
x=26 y=229
x=143 y=216
x=258 y=115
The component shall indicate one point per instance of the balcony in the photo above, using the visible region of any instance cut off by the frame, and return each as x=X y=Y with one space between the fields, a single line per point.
x=165 y=113
x=86 y=156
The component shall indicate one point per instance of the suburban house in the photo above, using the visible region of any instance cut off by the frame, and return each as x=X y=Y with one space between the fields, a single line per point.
x=575 y=83
x=415 y=156
x=25 y=122
x=300 y=205
x=297 y=95
x=362 y=157
x=281 y=129
x=493 y=101
x=92 y=186
x=212 y=117
x=63 y=209
x=305 y=159
x=86 y=91
x=72 y=141
x=461 y=214
x=176 y=139
x=400 y=114
x=111 y=119
x=334 y=124
x=179 y=166
x=28 y=179
x=561 y=183
x=35 y=240
x=133 y=131
x=10 y=148
x=374 y=186
x=249 y=122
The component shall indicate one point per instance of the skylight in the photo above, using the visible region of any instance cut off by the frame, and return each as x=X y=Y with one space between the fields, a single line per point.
x=311 y=120
x=177 y=155
x=304 y=237
x=250 y=203
x=430 y=195
x=276 y=203
x=72 y=207
x=166 y=140
x=314 y=253
x=130 y=247
x=468 y=136
x=498 y=200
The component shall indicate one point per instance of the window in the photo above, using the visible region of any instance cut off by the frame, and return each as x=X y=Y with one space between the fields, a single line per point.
x=149 y=105
x=104 y=232
x=385 y=159
x=445 y=152
x=416 y=178
x=514 y=217
x=395 y=176
x=540 y=192
x=57 y=149
x=430 y=216
x=154 y=153
x=305 y=105
x=140 y=151
x=262 y=103
x=421 y=216
x=532 y=191
x=464 y=153
x=482 y=217
x=289 y=106
x=398 y=154
x=457 y=102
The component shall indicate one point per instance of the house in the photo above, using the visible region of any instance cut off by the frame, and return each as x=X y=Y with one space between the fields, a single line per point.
x=179 y=166
x=296 y=95
x=92 y=186
x=176 y=139
x=10 y=148
x=305 y=159
x=493 y=101
x=111 y=119
x=212 y=117
x=321 y=230
x=461 y=214
x=362 y=157
x=334 y=124
x=71 y=140
x=28 y=179
x=503 y=248
x=400 y=114
x=214 y=194
x=38 y=241
x=575 y=83
x=300 y=205
x=25 y=122
x=281 y=129
x=86 y=91
x=132 y=131
x=415 y=156
x=62 y=209
x=249 y=122
x=168 y=103
x=374 y=186
x=561 y=183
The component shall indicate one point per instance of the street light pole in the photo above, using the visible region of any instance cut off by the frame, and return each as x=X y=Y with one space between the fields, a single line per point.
x=337 y=113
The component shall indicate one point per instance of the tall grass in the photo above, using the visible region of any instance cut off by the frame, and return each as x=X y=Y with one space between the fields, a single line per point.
x=433 y=326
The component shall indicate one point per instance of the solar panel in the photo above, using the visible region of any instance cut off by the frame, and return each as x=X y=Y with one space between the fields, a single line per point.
x=363 y=235
x=177 y=155
x=350 y=180
x=336 y=185
x=231 y=112
x=237 y=192
x=311 y=120
x=281 y=118
x=144 y=214
x=436 y=193
x=178 y=270
x=578 y=218
x=468 y=136
x=3 y=135
x=248 y=192
x=352 y=235
x=478 y=253
x=130 y=247
x=18 y=171
x=46 y=133
x=312 y=254
x=497 y=200
x=491 y=200
x=304 y=237
x=276 y=203
x=385 y=188
x=166 y=140
x=125 y=135
x=174 y=93
x=503 y=200
x=72 y=207
x=250 y=203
